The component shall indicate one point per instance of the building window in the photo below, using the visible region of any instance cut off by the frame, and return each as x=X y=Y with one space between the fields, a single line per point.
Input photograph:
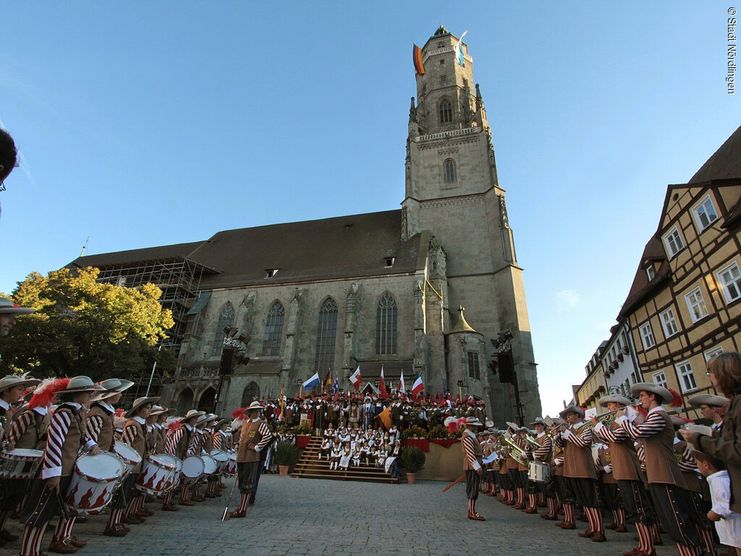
x=326 y=336
x=650 y=272
x=686 y=377
x=647 y=335
x=386 y=317
x=449 y=173
x=669 y=323
x=730 y=281
x=696 y=305
x=273 y=329
x=705 y=213
x=226 y=320
x=389 y=261
x=660 y=379
x=445 y=110
x=270 y=272
x=473 y=365
x=673 y=242
x=709 y=354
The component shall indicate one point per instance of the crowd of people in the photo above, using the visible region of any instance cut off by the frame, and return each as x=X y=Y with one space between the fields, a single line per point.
x=637 y=461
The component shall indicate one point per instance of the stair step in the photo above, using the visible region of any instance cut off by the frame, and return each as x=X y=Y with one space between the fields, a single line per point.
x=346 y=477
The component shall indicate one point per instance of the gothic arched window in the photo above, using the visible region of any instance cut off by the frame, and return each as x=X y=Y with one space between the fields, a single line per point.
x=386 y=317
x=445 y=110
x=449 y=173
x=273 y=329
x=226 y=319
x=326 y=336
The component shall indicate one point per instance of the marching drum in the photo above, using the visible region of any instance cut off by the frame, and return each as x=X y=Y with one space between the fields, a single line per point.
x=222 y=458
x=158 y=475
x=193 y=468
x=231 y=466
x=127 y=455
x=94 y=481
x=209 y=465
x=539 y=472
x=20 y=463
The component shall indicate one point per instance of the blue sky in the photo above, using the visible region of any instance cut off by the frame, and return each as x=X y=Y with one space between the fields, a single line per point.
x=147 y=123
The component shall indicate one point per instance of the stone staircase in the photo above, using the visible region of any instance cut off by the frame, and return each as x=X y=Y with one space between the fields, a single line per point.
x=309 y=466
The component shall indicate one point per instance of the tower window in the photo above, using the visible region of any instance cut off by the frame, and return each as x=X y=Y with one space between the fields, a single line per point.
x=449 y=172
x=273 y=329
x=389 y=261
x=386 y=319
x=446 y=111
x=326 y=336
x=270 y=272
x=226 y=320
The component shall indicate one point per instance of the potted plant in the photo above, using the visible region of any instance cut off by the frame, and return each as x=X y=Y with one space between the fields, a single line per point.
x=286 y=456
x=412 y=460
x=440 y=432
x=303 y=435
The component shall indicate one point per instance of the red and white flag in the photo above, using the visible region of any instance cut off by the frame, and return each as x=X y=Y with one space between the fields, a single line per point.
x=382 y=387
x=418 y=386
x=356 y=378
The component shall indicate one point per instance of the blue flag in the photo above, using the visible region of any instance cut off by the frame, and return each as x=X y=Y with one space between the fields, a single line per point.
x=313 y=382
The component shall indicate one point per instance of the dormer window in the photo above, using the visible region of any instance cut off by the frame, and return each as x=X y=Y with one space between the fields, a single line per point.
x=389 y=262
x=271 y=272
x=650 y=272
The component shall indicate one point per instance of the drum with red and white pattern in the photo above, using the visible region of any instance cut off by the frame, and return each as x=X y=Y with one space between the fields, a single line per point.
x=94 y=481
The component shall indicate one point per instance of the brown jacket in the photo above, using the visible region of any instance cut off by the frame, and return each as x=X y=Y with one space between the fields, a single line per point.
x=105 y=436
x=661 y=463
x=578 y=461
x=249 y=437
x=727 y=447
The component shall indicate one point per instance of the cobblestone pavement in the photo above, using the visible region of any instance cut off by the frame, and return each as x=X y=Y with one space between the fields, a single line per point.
x=306 y=516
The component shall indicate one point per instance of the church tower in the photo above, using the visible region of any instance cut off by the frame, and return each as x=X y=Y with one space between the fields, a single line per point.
x=453 y=193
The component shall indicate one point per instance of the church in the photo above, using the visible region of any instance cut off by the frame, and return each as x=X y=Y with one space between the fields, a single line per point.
x=432 y=289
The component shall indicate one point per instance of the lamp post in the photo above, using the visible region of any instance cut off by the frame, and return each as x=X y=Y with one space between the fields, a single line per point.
x=460 y=385
x=154 y=366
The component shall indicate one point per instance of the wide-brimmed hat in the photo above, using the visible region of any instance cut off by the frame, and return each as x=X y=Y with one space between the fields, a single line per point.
x=654 y=388
x=572 y=409
x=7 y=307
x=112 y=386
x=708 y=399
x=473 y=422
x=158 y=410
x=206 y=418
x=79 y=384
x=614 y=398
x=489 y=424
x=193 y=413
x=139 y=402
x=220 y=422
x=538 y=421
x=255 y=405
x=11 y=381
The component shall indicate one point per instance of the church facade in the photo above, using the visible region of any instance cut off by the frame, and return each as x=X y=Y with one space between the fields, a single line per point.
x=422 y=290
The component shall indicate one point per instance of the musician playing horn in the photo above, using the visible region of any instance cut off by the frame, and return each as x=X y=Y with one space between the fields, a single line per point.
x=472 y=465
x=540 y=455
x=578 y=469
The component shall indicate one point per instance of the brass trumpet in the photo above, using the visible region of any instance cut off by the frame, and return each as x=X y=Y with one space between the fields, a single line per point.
x=515 y=452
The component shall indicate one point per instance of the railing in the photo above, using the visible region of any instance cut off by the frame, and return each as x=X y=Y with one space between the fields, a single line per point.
x=447 y=134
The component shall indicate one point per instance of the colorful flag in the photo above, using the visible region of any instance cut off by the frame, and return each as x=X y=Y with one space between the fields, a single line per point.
x=459 y=50
x=385 y=417
x=336 y=386
x=356 y=378
x=328 y=382
x=312 y=382
x=417 y=57
x=402 y=387
x=418 y=386
x=382 y=387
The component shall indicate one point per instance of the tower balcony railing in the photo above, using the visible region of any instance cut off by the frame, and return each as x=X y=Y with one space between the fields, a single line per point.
x=447 y=134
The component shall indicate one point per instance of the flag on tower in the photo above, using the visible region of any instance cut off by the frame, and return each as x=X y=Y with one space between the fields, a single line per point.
x=418 y=386
x=382 y=387
x=459 y=50
x=356 y=378
x=417 y=57
x=312 y=382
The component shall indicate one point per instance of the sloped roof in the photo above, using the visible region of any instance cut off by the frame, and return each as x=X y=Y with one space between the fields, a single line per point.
x=641 y=287
x=332 y=248
x=724 y=163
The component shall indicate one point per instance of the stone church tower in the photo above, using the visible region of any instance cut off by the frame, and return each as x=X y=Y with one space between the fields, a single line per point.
x=452 y=191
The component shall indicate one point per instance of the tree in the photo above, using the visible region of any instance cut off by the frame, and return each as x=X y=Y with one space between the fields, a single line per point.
x=84 y=327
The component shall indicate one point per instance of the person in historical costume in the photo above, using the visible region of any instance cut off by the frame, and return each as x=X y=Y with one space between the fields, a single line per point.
x=472 y=466
x=541 y=455
x=580 y=472
x=626 y=470
x=325 y=448
x=255 y=436
x=8 y=309
x=65 y=438
x=665 y=480
x=180 y=444
x=335 y=454
x=160 y=427
x=12 y=389
x=345 y=457
x=135 y=435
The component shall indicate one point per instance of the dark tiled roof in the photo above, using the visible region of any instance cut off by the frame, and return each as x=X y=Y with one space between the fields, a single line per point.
x=332 y=248
x=641 y=287
x=177 y=251
x=724 y=163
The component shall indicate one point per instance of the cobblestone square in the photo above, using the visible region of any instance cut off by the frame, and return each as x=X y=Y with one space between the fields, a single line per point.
x=304 y=516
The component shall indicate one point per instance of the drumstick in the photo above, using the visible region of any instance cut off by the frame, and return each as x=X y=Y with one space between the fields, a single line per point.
x=451 y=485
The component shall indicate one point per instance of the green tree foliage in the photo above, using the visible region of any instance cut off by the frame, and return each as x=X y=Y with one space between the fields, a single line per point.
x=85 y=327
